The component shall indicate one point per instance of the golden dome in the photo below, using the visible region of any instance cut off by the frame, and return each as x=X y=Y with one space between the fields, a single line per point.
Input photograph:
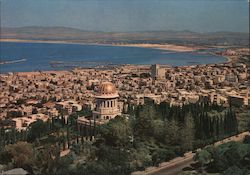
x=106 y=88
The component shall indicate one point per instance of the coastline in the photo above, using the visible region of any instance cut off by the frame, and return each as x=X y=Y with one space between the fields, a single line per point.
x=164 y=47
x=38 y=41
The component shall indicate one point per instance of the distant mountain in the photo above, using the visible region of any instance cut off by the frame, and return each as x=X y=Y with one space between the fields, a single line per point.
x=158 y=37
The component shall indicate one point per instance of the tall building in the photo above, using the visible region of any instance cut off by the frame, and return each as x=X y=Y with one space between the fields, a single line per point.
x=107 y=106
x=157 y=72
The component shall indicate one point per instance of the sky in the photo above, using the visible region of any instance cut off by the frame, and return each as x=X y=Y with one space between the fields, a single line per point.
x=129 y=15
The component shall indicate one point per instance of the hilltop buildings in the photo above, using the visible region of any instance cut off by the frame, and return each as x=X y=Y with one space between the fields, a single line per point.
x=26 y=96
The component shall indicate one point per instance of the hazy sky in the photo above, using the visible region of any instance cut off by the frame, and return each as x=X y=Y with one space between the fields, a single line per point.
x=129 y=15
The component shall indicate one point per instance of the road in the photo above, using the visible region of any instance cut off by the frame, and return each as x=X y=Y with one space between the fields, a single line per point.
x=175 y=166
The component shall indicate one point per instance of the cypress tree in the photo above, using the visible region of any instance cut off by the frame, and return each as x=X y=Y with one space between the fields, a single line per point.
x=68 y=137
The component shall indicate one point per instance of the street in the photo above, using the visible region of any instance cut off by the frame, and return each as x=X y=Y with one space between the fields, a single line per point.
x=175 y=166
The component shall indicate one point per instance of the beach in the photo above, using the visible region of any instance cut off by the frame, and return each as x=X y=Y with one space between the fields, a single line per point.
x=166 y=47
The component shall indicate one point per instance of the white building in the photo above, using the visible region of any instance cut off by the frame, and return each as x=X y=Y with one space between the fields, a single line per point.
x=107 y=105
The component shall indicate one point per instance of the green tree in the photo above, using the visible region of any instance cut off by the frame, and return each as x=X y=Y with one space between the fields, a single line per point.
x=21 y=154
x=93 y=168
x=117 y=132
x=230 y=154
x=36 y=130
x=5 y=156
x=161 y=155
x=46 y=160
x=203 y=157
x=246 y=139
x=144 y=121
x=172 y=136
x=187 y=133
x=141 y=158
x=234 y=170
x=158 y=129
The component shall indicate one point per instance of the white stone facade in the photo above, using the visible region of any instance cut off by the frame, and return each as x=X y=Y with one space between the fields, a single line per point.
x=107 y=105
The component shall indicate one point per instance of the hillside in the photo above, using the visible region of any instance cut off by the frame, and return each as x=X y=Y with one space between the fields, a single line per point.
x=153 y=37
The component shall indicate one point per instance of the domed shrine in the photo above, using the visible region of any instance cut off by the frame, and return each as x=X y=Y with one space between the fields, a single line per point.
x=107 y=106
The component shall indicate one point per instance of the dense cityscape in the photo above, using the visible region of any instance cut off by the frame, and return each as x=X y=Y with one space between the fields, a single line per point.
x=78 y=104
x=46 y=94
x=124 y=87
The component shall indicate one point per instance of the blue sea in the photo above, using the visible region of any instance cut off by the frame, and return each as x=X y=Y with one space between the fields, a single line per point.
x=39 y=55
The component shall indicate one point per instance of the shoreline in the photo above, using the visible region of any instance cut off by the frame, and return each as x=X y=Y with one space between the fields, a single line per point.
x=163 y=47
